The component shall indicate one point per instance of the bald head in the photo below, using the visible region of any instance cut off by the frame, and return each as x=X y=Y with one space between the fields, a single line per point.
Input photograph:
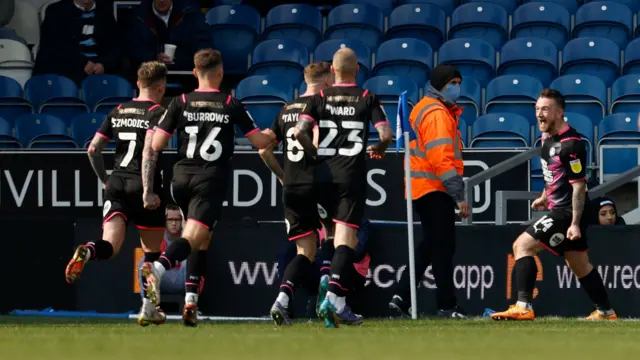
x=345 y=62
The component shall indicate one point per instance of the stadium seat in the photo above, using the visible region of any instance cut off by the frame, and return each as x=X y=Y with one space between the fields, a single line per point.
x=631 y=63
x=226 y=2
x=25 y=22
x=618 y=130
x=569 y=5
x=470 y=99
x=350 y=21
x=474 y=58
x=84 y=127
x=103 y=92
x=43 y=131
x=326 y=50
x=607 y=19
x=508 y=5
x=633 y=5
x=446 y=5
x=499 y=131
x=625 y=94
x=264 y=96
x=386 y=6
x=543 y=20
x=426 y=22
x=10 y=34
x=234 y=31
x=513 y=94
x=16 y=60
x=582 y=124
x=284 y=57
x=592 y=56
x=584 y=94
x=301 y=22
x=7 y=141
x=464 y=131
x=55 y=95
x=534 y=57
x=486 y=21
x=411 y=58
x=388 y=89
x=12 y=102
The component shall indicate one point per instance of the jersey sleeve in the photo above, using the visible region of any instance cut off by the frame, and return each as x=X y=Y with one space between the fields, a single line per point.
x=155 y=115
x=242 y=118
x=378 y=115
x=575 y=160
x=312 y=110
x=168 y=121
x=106 y=130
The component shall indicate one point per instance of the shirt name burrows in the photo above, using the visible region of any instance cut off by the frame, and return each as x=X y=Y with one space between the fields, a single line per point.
x=208 y=116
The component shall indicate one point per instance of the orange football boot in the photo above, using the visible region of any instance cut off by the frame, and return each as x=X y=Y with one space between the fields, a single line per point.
x=515 y=312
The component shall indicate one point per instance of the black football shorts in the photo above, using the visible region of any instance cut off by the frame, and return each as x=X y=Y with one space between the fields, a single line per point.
x=200 y=196
x=551 y=231
x=123 y=196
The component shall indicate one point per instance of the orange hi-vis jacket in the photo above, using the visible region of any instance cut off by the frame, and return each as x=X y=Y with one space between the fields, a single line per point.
x=436 y=152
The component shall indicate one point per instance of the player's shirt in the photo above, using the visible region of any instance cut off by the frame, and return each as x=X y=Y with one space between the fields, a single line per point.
x=564 y=161
x=128 y=125
x=343 y=114
x=205 y=122
x=298 y=165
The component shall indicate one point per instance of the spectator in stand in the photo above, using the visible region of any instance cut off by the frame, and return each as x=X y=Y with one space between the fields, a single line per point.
x=159 y=22
x=7 y=8
x=78 y=38
x=606 y=212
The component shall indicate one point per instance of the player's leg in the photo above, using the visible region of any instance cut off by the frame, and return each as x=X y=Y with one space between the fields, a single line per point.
x=591 y=282
x=151 y=241
x=349 y=213
x=195 y=270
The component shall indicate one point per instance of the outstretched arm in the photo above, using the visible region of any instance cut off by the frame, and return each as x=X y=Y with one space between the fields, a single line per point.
x=271 y=161
x=95 y=156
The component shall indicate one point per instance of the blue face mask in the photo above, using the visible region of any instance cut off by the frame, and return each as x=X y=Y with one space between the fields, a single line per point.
x=452 y=93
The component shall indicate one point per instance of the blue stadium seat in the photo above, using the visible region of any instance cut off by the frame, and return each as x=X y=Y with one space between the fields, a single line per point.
x=234 y=31
x=388 y=89
x=7 y=33
x=326 y=50
x=592 y=56
x=513 y=94
x=226 y=2
x=84 y=127
x=544 y=20
x=412 y=58
x=499 y=131
x=633 y=5
x=284 y=57
x=530 y=56
x=419 y=21
x=464 y=130
x=386 y=6
x=584 y=94
x=618 y=130
x=7 y=141
x=632 y=58
x=104 y=92
x=569 y=5
x=446 y=5
x=264 y=96
x=55 y=95
x=362 y=22
x=583 y=125
x=508 y=5
x=12 y=102
x=486 y=21
x=474 y=58
x=43 y=131
x=607 y=19
x=301 y=22
x=625 y=94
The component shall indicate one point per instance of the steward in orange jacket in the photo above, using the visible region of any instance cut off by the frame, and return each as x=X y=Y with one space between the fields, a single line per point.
x=436 y=187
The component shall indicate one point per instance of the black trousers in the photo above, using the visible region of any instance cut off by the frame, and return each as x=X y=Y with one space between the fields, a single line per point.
x=436 y=211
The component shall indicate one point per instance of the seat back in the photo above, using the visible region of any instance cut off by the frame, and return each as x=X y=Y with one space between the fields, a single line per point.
x=543 y=20
x=356 y=21
x=386 y=6
x=42 y=129
x=425 y=22
x=608 y=19
x=584 y=94
x=264 y=96
x=284 y=57
x=592 y=56
x=569 y=5
x=474 y=58
x=485 y=20
x=513 y=94
x=302 y=22
x=405 y=57
x=530 y=56
x=25 y=22
x=85 y=126
x=500 y=130
x=107 y=90
x=618 y=129
x=625 y=94
x=388 y=88
x=508 y=5
x=446 y=5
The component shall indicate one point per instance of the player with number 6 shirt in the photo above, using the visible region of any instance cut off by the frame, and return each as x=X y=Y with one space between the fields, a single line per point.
x=205 y=121
x=131 y=126
x=342 y=114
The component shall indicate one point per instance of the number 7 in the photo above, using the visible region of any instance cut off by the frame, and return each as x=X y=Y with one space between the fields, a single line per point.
x=132 y=137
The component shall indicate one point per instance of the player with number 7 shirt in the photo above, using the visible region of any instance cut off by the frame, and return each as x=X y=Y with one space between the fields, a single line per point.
x=205 y=121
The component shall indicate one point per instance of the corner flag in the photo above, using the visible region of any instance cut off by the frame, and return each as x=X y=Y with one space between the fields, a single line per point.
x=402 y=121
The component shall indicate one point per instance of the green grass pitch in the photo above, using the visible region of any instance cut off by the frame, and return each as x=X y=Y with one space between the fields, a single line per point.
x=542 y=339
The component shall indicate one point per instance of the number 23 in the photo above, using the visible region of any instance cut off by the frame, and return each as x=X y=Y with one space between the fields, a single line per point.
x=354 y=136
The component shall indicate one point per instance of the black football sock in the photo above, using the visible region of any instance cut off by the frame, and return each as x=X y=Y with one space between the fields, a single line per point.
x=149 y=257
x=176 y=252
x=526 y=272
x=196 y=268
x=100 y=250
x=294 y=275
x=341 y=270
x=325 y=255
x=593 y=286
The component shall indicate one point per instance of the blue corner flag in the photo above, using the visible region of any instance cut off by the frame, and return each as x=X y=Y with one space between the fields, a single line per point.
x=402 y=122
